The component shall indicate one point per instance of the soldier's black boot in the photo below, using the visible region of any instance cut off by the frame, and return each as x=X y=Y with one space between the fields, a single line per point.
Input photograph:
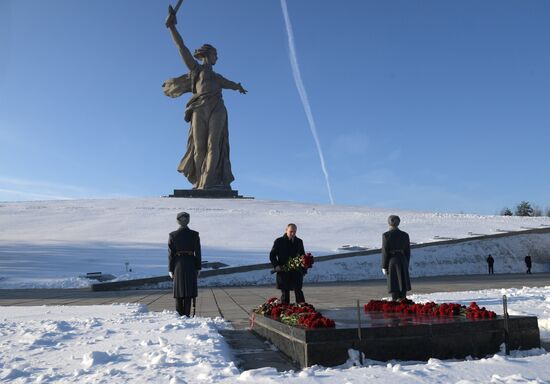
x=187 y=306
x=179 y=306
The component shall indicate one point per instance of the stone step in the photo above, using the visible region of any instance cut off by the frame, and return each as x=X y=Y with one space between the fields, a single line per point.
x=252 y=351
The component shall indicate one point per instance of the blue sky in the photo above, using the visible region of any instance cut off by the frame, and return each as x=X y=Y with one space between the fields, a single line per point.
x=426 y=105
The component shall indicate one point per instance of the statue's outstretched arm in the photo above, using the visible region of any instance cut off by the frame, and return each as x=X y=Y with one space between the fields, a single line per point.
x=186 y=55
x=228 y=84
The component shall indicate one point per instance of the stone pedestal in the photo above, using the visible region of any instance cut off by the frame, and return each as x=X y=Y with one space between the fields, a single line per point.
x=207 y=193
x=394 y=336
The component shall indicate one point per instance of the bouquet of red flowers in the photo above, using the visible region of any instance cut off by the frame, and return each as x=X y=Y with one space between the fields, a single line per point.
x=298 y=263
x=409 y=307
x=302 y=315
x=268 y=306
x=474 y=312
x=315 y=320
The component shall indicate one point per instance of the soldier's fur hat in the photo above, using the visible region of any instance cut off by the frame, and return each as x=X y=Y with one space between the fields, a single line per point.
x=394 y=221
x=183 y=218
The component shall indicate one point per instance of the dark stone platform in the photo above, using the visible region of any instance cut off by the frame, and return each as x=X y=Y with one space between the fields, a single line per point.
x=207 y=193
x=394 y=336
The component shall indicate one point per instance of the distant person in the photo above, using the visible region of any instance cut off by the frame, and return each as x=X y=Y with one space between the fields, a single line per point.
x=184 y=263
x=285 y=248
x=528 y=264
x=490 y=263
x=396 y=254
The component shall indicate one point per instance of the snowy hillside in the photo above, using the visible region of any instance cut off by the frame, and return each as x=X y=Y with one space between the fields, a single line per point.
x=50 y=243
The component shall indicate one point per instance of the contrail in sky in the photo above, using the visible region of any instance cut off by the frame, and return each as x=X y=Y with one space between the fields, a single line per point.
x=303 y=94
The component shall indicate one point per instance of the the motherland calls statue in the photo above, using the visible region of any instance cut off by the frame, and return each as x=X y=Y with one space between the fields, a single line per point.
x=206 y=163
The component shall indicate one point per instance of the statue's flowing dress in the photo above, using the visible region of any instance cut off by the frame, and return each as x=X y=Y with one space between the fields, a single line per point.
x=206 y=163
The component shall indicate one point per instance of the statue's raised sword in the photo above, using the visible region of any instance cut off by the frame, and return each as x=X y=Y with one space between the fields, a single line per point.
x=175 y=9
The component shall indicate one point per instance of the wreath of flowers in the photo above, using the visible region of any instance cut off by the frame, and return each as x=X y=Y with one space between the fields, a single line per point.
x=302 y=314
x=409 y=307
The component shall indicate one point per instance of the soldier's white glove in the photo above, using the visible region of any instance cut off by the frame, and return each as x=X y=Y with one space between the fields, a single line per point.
x=171 y=275
x=384 y=271
x=198 y=273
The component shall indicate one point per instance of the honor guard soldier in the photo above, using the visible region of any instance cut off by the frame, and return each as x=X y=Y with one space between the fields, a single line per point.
x=396 y=254
x=184 y=263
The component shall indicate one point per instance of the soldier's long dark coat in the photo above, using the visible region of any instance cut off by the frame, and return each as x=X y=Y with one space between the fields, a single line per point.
x=184 y=267
x=283 y=249
x=396 y=254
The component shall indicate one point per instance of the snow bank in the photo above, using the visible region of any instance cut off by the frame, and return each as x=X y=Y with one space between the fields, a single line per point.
x=117 y=343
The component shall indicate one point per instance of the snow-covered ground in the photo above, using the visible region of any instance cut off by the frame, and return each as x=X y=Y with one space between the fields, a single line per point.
x=126 y=343
x=51 y=243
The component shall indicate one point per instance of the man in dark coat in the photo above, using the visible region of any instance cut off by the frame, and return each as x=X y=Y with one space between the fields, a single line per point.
x=528 y=264
x=396 y=254
x=184 y=263
x=490 y=262
x=285 y=248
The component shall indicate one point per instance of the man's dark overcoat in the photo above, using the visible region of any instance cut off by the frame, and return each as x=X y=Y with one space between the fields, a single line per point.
x=528 y=261
x=184 y=261
x=396 y=254
x=283 y=249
